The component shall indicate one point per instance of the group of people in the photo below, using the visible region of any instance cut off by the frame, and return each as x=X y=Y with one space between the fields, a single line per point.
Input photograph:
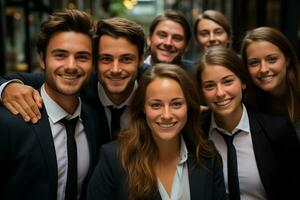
x=139 y=132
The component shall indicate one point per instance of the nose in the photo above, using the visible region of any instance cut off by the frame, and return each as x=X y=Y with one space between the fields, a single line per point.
x=115 y=66
x=166 y=114
x=71 y=63
x=168 y=41
x=212 y=37
x=220 y=91
x=263 y=67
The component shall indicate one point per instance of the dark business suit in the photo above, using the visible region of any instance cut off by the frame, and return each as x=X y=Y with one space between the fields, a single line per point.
x=27 y=155
x=109 y=179
x=277 y=152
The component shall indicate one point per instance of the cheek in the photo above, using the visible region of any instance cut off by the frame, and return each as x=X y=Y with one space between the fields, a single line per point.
x=253 y=71
x=208 y=95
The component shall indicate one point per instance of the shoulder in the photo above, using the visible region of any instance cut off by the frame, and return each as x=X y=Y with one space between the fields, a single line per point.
x=109 y=158
x=267 y=122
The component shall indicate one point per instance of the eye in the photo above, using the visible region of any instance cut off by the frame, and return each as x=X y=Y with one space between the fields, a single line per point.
x=177 y=104
x=219 y=32
x=253 y=62
x=105 y=59
x=161 y=34
x=127 y=59
x=60 y=55
x=83 y=57
x=155 y=106
x=178 y=38
x=272 y=59
x=203 y=33
x=228 y=81
x=208 y=86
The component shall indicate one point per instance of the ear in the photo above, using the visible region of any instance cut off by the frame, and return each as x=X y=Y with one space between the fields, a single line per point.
x=148 y=40
x=243 y=86
x=42 y=61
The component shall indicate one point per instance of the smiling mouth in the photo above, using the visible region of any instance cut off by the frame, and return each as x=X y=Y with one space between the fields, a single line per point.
x=266 y=79
x=69 y=76
x=223 y=103
x=167 y=125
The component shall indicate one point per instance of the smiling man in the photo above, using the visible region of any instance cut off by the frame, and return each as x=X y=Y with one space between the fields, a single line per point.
x=119 y=52
x=45 y=160
x=168 y=40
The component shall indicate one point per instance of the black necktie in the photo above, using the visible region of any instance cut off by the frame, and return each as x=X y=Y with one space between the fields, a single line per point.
x=71 y=187
x=232 y=174
x=115 y=120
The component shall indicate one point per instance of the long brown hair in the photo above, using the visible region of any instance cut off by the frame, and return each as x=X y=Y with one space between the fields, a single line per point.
x=292 y=95
x=137 y=149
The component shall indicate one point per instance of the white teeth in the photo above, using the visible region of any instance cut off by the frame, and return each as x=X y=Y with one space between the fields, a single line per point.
x=266 y=78
x=166 y=125
x=223 y=103
x=69 y=77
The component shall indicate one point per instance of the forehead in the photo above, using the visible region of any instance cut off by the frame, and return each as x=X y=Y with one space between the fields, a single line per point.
x=164 y=88
x=207 y=24
x=170 y=27
x=70 y=41
x=262 y=48
x=215 y=72
x=116 y=46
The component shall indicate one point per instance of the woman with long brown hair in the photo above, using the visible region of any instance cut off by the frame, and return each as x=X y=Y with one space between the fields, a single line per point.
x=164 y=153
x=274 y=68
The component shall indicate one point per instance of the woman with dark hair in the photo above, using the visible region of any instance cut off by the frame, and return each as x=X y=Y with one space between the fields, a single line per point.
x=212 y=28
x=260 y=152
x=273 y=66
x=163 y=154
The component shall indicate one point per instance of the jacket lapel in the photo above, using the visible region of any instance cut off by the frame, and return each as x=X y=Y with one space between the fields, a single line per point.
x=263 y=154
x=44 y=134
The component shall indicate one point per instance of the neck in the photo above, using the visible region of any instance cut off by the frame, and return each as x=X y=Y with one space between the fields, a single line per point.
x=229 y=122
x=168 y=151
x=119 y=98
x=68 y=103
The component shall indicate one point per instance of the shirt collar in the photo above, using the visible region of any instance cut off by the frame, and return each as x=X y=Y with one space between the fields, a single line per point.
x=242 y=125
x=54 y=111
x=148 y=60
x=183 y=152
x=107 y=102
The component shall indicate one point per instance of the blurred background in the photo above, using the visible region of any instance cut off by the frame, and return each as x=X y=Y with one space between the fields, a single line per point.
x=20 y=21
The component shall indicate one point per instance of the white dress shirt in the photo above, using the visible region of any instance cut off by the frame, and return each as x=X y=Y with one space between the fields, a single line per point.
x=251 y=187
x=180 y=186
x=56 y=113
x=107 y=102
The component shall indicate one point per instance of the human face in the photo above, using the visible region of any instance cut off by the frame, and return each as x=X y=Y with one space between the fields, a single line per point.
x=210 y=34
x=165 y=109
x=222 y=90
x=68 y=63
x=118 y=62
x=267 y=67
x=167 y=43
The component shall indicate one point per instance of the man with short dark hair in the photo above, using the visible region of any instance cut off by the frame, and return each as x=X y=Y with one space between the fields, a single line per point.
x=49 y=160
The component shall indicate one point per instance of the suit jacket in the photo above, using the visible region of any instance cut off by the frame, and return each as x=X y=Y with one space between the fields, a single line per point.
x=27 y=155
x=277 y=152
x=109 y=179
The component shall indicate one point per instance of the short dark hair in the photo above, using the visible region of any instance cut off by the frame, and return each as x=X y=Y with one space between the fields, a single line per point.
x=175 y=17
x=63 y=21
x=121 y=27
